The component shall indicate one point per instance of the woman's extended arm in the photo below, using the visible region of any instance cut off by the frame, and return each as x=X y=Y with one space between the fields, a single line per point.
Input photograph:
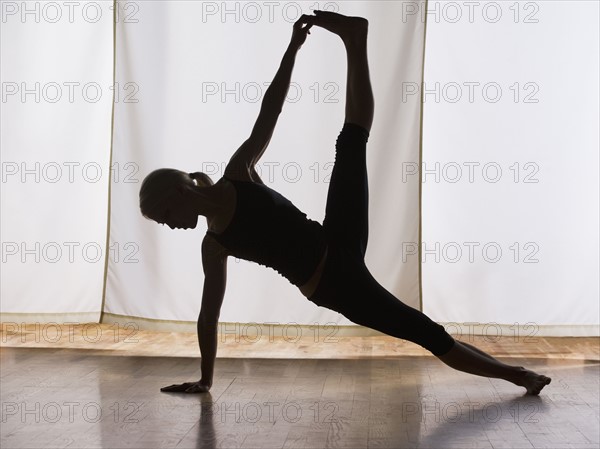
x=252 y=149
x=214 y=262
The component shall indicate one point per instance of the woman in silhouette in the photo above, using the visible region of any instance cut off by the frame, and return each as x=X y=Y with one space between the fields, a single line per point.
x=248 y=220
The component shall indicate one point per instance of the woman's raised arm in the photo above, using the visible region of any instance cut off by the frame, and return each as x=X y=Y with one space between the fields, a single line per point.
x=253 y=148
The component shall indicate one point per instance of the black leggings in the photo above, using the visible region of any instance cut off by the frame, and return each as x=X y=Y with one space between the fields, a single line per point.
x=346 y=284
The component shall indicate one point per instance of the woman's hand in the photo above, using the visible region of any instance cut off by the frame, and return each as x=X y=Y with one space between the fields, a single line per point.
x=188 y=387
x=299 y=32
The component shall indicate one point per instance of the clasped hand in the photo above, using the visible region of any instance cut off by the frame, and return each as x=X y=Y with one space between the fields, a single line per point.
x=299 y=32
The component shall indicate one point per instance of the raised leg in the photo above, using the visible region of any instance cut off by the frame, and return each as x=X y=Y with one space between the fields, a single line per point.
x=467 y=358
x=359 y=94
x=346 y=217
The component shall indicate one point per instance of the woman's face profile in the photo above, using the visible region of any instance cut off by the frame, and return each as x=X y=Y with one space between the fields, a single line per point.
x=175 y=215
x=176 y=210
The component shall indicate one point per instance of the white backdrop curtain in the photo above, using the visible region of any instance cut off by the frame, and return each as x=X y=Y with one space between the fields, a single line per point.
x=510 y=225
x=55 y=148
x=201 y=69
x=189 y=79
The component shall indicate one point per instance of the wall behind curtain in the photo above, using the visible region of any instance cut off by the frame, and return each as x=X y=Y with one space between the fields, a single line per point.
x=55 y=139
x=529 y=132
x=201 y=74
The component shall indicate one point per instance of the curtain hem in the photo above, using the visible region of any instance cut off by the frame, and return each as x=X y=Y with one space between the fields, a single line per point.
x=493 y=331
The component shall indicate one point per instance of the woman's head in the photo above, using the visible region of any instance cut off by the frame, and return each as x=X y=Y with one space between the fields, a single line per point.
x=167 y=196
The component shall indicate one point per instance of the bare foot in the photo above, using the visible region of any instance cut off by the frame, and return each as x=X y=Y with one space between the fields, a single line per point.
x=344 y=26
x=533 y=382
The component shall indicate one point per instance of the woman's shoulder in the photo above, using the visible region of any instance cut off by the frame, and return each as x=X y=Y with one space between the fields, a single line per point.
x=241 y=173
x=211 y=247
x=237 y=173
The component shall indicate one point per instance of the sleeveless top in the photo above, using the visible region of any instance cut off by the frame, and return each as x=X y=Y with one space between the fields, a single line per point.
x=268 y=229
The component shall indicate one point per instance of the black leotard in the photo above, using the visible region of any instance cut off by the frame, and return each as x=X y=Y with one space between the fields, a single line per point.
x=268 y=229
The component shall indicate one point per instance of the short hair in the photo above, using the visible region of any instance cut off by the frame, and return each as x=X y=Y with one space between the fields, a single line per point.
x=157 y=187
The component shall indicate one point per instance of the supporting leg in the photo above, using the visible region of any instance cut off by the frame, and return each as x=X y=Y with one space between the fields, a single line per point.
x=467 y=358
x=473 y=348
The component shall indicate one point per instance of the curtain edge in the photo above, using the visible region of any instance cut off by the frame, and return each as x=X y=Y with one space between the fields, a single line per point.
x=420 y=162
x=110 y=160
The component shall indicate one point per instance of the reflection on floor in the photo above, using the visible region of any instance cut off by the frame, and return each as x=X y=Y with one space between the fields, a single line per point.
x=77 y=398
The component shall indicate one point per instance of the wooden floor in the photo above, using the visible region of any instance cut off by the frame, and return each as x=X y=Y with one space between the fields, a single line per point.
x=360 y=393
